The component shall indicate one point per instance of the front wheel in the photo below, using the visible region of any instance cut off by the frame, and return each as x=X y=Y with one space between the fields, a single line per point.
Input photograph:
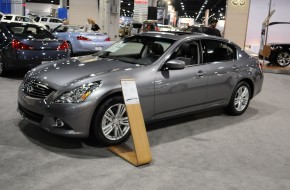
x=240 y=99
x=283 y=59
x=110 y=124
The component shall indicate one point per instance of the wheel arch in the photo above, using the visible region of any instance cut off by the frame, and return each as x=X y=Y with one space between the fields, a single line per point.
x=251 y=84
x=105 y=97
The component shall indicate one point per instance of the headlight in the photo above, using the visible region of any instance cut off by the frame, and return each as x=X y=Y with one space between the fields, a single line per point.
x=79 y=94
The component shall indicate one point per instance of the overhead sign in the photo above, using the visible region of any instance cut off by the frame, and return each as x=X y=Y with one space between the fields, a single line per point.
x=239 y=2
x=140 y=10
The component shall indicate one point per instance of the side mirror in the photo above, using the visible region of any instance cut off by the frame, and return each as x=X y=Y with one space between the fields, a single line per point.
x=175 y=64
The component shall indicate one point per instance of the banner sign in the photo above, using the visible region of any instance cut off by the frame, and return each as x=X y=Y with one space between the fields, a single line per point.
x=140 y=10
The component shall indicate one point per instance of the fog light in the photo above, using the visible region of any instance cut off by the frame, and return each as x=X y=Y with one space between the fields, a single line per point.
x=59 y=122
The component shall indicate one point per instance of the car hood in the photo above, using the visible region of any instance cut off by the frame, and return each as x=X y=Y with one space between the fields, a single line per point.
x=68 y=71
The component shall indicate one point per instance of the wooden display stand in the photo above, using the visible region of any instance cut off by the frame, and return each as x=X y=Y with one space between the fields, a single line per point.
x=141 y=155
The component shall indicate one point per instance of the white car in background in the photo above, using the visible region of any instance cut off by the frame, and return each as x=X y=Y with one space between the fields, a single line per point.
x=50 y=22
x=19 y=18
x=165 y=28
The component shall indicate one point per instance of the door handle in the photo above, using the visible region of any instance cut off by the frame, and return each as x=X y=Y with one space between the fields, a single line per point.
x=200 y=73
x=235 y=67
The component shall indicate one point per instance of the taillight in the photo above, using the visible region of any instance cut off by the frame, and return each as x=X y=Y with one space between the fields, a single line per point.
x=108 y=39
x=83 y=38
x=63 y=46
x=261 y=66
x=156 y=28
x=20 y=46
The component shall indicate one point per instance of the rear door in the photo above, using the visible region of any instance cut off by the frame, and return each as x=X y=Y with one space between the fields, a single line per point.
x=181 y=91
x=221 y=58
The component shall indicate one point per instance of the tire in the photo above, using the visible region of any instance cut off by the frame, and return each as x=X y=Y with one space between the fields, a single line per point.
x=283 y=59
x=70 y=49
x=2 y=67
x=240 y=99
x=108 y=128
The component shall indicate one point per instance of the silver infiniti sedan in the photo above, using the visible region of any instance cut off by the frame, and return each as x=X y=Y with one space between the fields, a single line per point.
x=176 y=74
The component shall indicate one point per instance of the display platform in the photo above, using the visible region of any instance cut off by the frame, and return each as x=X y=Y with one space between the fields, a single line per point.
x=267 y=68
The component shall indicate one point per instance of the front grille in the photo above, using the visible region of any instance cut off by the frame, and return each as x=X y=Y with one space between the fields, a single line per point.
x=29 y=114
x=36 y=90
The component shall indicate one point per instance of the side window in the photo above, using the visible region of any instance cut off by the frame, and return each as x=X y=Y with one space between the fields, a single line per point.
x=36 y=19
x=8 y=17
x=216 y=51
x=187 y=52
x=55 y=20
x=43 y=19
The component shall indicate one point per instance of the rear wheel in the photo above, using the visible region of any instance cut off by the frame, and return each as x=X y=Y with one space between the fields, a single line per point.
x=240 y=99
x=70 y=49
x=283 y=59
x=110 y=125
x=2 y=67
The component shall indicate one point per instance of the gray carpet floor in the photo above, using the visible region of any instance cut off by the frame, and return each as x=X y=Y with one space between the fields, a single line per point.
x=205 y=151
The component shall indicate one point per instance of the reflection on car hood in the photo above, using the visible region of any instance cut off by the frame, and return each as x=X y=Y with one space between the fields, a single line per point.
x=68 y=71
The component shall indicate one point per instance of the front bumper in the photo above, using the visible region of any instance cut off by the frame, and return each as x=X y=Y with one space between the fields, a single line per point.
x=76 y=117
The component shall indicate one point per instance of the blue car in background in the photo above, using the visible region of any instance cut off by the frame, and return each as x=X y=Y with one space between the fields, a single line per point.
x=81 y=41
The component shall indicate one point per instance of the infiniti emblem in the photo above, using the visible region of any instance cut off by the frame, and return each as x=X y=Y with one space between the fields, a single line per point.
x=29 y=88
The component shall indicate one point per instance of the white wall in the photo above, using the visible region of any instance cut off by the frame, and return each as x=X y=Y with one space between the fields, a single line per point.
x=40 y=8
x=79 y=11
x=258 y=13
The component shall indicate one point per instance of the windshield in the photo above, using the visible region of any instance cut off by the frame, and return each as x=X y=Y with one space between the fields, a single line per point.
x=30 y=31
x=143 y=50
x=68 y=28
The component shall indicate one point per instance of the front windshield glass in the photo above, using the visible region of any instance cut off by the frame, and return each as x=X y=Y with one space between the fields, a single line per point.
x=143 y=50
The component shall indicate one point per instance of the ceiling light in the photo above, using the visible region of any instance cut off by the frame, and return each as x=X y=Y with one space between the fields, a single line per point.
x=129 y=4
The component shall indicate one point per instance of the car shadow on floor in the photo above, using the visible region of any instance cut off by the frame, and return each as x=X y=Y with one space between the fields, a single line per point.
x=16 y=74
x=158 y=133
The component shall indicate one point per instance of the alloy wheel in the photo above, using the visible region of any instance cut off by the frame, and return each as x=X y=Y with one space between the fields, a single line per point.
x=283 y=59
x=241 y=98
x=115 y=123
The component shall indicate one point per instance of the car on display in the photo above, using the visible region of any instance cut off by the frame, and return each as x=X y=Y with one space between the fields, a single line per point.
x=280 y=54
x=19 y=19
x=176 y=74
x=80 y=41
x=26 y=45
x=50 y=22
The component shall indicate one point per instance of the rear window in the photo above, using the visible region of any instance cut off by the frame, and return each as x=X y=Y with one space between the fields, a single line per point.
x=30 y=31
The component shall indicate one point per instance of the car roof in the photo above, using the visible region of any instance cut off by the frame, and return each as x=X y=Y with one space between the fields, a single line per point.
x=176 y=35
x=19 y=23
x=171 y=34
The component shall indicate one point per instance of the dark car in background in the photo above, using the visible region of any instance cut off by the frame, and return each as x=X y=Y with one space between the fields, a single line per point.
x=280 y=54
x=28 y=45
